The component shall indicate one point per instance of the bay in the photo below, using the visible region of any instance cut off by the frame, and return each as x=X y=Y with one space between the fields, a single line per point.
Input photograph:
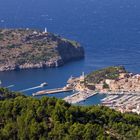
x=108 y=30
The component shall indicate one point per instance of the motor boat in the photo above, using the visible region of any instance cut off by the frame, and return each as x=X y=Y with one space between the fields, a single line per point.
x=44 y=84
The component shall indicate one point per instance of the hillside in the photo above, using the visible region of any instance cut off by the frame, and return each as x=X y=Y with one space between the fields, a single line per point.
x=114 y=79
x=25 y=48
x=99 y=79
x=111 y=73
x=53 y=119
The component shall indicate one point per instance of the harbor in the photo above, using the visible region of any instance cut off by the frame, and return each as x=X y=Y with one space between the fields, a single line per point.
x=124 y=102
x=79 y=96
x=119 y=100
x=70 y=86
x=75 y=92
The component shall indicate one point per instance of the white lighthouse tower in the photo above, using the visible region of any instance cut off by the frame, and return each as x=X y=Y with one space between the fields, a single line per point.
x=45 y=30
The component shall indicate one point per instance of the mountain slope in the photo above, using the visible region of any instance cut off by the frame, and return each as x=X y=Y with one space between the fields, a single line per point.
x=53 y=119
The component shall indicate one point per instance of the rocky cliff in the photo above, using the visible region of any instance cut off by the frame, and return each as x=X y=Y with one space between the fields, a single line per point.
x=24 y=49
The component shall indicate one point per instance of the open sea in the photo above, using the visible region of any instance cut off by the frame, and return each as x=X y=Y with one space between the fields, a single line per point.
x=109 y=30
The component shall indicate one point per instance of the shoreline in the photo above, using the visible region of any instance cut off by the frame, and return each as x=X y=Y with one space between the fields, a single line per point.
x=40 y=65
x=80 y=96
x=123 y=99
x=120 y=101
x=32 y=49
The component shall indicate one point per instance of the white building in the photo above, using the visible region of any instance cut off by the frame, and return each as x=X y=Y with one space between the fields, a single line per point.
x=137 y=110
x=82 y=77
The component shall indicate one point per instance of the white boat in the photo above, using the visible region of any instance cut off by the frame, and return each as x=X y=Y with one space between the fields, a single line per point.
x=44 y=84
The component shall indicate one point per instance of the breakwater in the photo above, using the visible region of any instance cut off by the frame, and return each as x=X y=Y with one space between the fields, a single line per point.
x=52 y=91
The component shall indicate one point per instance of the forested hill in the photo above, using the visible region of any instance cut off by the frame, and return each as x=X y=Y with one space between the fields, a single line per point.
x=28 y=48
x=27 y=118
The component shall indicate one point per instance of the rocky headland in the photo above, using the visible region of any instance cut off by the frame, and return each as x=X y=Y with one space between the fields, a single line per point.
x=26 y=48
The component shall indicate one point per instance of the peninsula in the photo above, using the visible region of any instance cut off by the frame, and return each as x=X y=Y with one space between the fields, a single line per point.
x=26 y=48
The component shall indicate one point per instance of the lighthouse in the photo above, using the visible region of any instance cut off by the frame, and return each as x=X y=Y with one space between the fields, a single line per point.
x=45 y=30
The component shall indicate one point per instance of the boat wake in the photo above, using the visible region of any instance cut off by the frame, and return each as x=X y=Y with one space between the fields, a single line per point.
x=28 y=89
x=10 y=86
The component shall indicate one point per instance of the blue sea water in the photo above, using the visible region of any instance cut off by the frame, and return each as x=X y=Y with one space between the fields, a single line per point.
x=109 y=30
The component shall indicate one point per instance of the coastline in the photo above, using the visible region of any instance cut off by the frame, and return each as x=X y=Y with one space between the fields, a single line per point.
x=123 y=90
x=34 y=49
x=42 y=65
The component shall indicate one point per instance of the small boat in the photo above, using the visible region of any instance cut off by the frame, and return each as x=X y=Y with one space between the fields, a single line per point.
x=44 y=84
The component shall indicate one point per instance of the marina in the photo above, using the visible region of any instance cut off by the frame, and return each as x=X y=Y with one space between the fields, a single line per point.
x=80 y=96
x=128 y=102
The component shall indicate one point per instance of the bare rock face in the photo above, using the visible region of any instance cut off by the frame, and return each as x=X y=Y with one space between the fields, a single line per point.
x=69 y=51
x=7 y=67
x=26 y=49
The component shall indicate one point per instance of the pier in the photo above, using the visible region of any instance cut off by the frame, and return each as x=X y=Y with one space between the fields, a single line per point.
x=80 y=96
x=126 y=102
x=52 y=91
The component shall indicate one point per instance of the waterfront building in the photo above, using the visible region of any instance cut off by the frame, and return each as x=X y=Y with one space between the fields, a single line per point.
x=82 y=77
x=137 y=110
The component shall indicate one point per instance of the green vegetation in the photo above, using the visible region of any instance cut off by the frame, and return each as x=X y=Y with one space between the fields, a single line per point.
x=20 y=46
x=106 y=73
x=27 y=118
x=1 y=36
x=11 y=46
x=31 y=48
x=6 y=94
x=105 y=85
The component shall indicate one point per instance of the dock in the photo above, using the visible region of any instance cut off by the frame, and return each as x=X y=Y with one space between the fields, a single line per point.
x=127 y=102
x=52 y=91
x=80 y=96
